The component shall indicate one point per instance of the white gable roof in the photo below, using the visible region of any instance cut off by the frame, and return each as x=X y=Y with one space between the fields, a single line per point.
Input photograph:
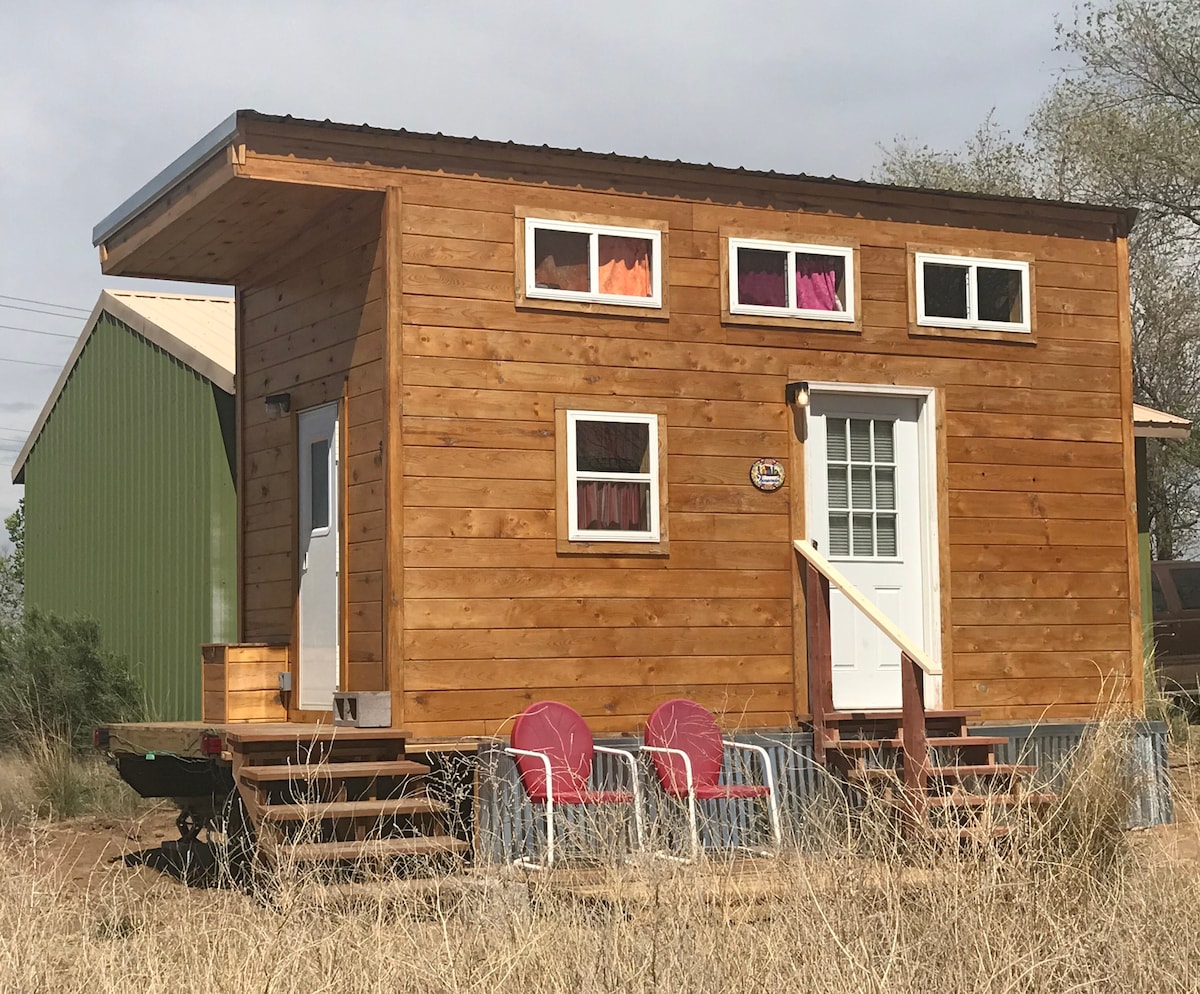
x=196 y=330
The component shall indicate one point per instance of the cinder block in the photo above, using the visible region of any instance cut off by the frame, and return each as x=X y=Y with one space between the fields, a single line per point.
x=363 y=708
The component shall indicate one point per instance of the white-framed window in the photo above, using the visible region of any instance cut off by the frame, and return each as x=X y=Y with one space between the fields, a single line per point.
x=955 y=291
x=612 y=477
x=593 y=263
x=791 y=279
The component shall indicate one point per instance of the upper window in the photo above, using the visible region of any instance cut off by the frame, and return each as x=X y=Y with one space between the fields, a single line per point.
x=790 y=279
x=612 y=477
x=972 y=293
x=594 y=263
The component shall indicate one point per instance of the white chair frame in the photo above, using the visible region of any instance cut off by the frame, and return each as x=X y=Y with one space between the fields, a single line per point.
x=768 y=779
x=636 y=802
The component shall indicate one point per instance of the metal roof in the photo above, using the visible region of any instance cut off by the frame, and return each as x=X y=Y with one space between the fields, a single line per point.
x=1149 y=423
x=196 y=330
x=224 y=134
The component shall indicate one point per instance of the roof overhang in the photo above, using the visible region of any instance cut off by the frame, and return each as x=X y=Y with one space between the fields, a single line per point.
x=1149 y=423
x=256 y=181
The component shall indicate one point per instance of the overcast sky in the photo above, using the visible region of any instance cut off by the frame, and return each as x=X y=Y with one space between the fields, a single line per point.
x=95 y=98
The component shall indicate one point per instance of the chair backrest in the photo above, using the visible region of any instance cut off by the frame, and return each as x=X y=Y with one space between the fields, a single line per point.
x=685 y=725
x=561 y=733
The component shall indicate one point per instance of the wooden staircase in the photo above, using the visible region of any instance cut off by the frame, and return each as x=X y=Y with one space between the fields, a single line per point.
x=320 y=794
x=924 y=763
x=964 y=792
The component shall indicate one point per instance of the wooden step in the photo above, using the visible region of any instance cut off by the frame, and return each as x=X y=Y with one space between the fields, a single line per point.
x=933 y=741
x=291 y=734
x=989 y=800
x=372 y=849
x=353 y=810
x=850 y=717
x=948 y=774
x=333 y=771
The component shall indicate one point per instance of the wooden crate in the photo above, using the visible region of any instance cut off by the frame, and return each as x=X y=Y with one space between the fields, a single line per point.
x=241 y=682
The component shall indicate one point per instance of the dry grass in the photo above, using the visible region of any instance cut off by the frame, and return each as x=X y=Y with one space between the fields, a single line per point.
x=1058 y=909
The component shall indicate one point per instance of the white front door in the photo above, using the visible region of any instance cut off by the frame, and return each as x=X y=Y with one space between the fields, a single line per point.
x=319 y=541
x=865 y=485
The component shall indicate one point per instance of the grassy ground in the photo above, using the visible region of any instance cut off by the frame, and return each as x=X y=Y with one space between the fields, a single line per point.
x=1071 y=905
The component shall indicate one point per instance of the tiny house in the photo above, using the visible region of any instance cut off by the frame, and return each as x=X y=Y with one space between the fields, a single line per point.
x=130 y=511
x=519 y=422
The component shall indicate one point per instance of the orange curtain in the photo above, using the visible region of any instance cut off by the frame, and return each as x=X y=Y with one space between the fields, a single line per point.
x=625 y=266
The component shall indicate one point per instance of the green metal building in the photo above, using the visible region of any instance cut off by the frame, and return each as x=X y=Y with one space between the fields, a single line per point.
x=130 y=511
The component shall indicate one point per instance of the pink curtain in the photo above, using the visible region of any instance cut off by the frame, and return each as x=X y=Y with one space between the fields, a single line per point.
x=624 y=266
x=816 y=282
x=762 y=289
x=613 y=505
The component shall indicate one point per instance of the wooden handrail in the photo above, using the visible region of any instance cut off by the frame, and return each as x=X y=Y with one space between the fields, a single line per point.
x=860 y=601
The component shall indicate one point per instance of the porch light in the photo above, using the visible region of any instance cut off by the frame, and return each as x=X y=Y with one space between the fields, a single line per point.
x=797 y=394
x=278 y=404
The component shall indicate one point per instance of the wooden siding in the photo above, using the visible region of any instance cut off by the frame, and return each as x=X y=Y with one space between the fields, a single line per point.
x=313 y=327
x=1037 y=606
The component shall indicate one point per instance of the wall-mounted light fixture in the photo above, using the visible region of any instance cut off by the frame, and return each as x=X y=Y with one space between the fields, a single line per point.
x=278 y=404
x=797 y=393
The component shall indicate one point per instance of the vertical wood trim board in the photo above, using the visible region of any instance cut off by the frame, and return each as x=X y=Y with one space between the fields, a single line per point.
x=1137 y=690
x=393 y=440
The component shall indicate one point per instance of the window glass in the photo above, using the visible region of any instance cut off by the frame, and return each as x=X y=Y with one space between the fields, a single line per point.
x=561 y=260
x=1156 y=593
x=762 y=277
x=820 y=282
x=1187 y=586
x=946 y=291
x=612 y=446
x=319 y=454
x=625 y=265
x=1000 y=295
x=613 y=477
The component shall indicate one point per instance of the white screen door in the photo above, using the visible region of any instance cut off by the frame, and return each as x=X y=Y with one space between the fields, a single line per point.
x=864 y=480
x=318 y=643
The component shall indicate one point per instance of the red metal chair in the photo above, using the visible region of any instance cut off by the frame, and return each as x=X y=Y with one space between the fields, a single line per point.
x=553 y=748
x=688 y=753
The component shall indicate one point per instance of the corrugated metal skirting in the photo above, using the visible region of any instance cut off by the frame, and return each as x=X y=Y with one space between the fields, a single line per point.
x=509 y=826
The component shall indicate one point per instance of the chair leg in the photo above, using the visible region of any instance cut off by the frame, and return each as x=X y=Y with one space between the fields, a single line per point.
x=547 y=862
x=693 y=826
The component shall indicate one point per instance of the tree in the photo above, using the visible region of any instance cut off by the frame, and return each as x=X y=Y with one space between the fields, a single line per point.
x=1121 y=127
x=12 y=567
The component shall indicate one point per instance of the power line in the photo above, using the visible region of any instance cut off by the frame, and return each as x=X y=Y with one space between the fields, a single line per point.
x=30 y=362
x=45 y=303
x=37 y=331
x=15 y=431
x=38 y=310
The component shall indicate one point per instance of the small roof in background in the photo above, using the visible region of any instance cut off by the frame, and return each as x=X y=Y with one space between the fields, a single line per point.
x=196 y=330
x=1149 y=423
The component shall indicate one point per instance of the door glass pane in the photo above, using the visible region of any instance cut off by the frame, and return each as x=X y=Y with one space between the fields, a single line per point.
x=885 y=446
x=885 y=535
x=839 y=534
x=860 y=487
x=319 y=475
x=835 y=439
x=839 y=490
x=945 y=290
x=885 y=489
x=860 y=440
x=863 y=535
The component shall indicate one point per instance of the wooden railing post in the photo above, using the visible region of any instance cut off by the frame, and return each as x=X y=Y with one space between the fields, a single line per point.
x=820 y=655
x=916 y=746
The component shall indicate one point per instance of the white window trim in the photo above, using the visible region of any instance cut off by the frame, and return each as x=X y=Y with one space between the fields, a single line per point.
x=575 y=476
x=652 y=235
x=790 y=248
x=972 y=264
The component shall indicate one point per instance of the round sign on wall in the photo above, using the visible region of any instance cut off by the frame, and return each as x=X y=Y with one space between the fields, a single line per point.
x=767 y=474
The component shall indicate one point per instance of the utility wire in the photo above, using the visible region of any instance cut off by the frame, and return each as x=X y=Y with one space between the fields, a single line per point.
x=45 y=303
x=38 y=310
x=30 y=362
x=36 y=331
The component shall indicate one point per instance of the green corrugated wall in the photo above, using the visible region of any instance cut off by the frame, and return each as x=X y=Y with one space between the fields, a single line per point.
x=130 y=513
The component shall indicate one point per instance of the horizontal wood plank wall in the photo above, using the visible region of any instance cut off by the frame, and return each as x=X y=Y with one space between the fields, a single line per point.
x=314 y=328
x=495 y=618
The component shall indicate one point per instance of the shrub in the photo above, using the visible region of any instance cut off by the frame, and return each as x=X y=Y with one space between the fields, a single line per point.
x=57 y=683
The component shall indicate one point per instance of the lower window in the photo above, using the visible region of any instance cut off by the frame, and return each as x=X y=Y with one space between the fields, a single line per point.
x=613 y=485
